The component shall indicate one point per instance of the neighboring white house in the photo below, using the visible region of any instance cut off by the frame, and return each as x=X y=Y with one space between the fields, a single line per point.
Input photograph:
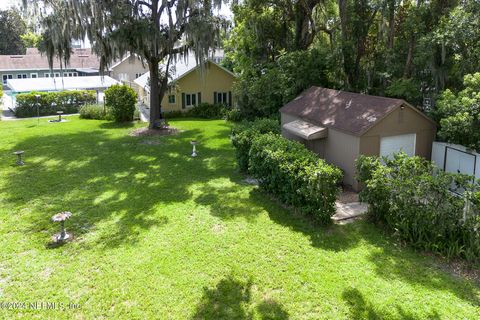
x=128 y=69
x=34 y=65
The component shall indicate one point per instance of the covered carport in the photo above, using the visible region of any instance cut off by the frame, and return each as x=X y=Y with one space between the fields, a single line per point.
x=97 y=83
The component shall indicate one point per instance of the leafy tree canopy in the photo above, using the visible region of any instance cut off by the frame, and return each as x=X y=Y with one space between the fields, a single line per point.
x=459 y=114
x=12 y=27
x=31 y=40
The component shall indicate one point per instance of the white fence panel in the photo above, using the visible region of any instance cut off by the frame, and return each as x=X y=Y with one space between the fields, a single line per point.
x=456 y=158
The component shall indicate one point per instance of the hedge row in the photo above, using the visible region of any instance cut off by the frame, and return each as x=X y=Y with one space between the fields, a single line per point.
x=51 y=102
x=95 y=111
x=243 y=134
x=295 y=175
x=413 y=198
x=206 y=111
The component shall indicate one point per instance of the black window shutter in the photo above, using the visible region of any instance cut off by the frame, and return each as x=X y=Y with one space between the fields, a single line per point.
x=215 y=97
x=199 y=98
x=183 y=100
x=229 y=98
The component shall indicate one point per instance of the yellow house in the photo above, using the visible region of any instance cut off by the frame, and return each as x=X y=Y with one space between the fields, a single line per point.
x=190 y=86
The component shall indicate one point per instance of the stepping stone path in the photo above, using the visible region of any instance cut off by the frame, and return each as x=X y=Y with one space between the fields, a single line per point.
x=348 y=212
x=349 y=208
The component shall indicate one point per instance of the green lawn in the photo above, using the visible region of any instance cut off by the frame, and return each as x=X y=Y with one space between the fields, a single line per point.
x=162 y=235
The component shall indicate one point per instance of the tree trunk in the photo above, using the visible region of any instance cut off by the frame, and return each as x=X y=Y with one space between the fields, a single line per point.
x=154 y=94
x=407 y=71
x=408 y=64
x=346 y=49
x=391 y=24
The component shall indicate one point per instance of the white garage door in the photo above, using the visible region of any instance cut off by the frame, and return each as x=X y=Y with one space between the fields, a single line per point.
x=396 y=144
x=459 y=162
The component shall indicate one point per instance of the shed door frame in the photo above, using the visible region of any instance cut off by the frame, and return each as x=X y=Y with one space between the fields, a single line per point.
x=400 y=135
x=458 y=150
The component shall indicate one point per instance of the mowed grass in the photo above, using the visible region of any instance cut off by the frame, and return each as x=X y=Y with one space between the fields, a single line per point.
x=162 y=235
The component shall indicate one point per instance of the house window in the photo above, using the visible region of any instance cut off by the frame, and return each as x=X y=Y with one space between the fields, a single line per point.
x=75 y=74
x=191 y=99
x=171 y=99
x=5 y=77
x=22 y=76
x=57 y=74
x=138 y=75
x=221 y=98
x=46 y=75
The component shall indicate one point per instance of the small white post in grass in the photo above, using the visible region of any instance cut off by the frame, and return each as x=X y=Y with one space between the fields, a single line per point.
x=37 y=98
x=194 y=151
x=61 y=217
x=19 y=157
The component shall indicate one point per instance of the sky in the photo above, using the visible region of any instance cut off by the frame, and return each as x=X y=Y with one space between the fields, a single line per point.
x=5 y=4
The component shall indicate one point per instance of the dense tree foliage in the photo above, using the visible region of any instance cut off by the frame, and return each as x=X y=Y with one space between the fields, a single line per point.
x=31 y=40
x=12 y=27
x=261 y=91
x=459 y=114
x=406 y=49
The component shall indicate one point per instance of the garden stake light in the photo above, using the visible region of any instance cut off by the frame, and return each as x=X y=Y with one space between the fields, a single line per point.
x=61 y=217
x=19 y=157
x=194 y=151
x=37 y=98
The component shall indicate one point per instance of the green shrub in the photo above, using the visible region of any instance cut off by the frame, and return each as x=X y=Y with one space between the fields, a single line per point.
x=208 y=111
x=243 y=134
x=121 y=99
x=295 y=175
x=413 y=198
x=174 y=114
x=1 y=93
x=136 y=114
x=95 y=111
x=234 y=115
x=203 y=110
x=51 y=102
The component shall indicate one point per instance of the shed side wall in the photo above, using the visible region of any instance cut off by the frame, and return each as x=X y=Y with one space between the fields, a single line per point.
x=339 y=149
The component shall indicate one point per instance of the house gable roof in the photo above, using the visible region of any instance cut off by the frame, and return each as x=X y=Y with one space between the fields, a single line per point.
x=33 y=60
x=129 y=57
x=350 y=112
x=182 y=69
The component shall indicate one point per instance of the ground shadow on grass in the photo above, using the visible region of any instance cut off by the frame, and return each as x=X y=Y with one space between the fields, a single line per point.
x=393 y=263
x=361 y=308
x=232 y=299
x=107 y=177
x=229 y=202
x=117 y=125
x=389 y=260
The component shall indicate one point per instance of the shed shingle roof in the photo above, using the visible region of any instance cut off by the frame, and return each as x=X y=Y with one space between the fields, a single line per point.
x=345 y=111
x=33 y=60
